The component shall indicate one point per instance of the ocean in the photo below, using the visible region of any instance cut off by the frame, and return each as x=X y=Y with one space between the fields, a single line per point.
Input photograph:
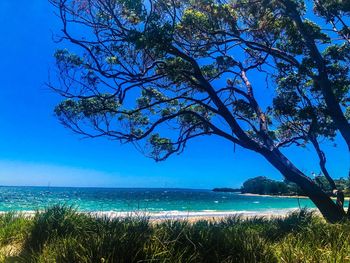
x=174 y=202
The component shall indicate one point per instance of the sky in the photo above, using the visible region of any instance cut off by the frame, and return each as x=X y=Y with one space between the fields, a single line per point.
x=35 y=150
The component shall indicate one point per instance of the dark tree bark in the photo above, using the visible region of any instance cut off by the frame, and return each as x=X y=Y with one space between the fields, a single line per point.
x=323 y=81
x=322 y=157
x=322 y=78
x=322 y=162
x=330 y=210
x=190 y=83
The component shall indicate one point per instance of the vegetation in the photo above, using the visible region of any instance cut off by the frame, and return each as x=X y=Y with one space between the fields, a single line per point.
x=263 y=75
x=265 y=186
x=60 y=234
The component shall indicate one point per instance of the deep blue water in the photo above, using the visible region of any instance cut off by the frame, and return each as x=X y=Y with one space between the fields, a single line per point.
x=150 y=200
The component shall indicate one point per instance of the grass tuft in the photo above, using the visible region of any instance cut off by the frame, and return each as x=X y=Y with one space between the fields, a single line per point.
x=62 y=234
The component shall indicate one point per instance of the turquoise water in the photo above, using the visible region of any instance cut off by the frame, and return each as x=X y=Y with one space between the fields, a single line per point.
x=150 y=200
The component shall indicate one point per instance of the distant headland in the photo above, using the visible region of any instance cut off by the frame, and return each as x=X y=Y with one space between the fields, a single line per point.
x=262 y=185
x=228 y=190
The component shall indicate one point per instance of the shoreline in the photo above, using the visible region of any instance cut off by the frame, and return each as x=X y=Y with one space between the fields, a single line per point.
x=278 y=196
x=347 y=198
x=190 y=216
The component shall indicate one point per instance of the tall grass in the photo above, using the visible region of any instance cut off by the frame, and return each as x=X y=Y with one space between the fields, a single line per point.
x=61 y=234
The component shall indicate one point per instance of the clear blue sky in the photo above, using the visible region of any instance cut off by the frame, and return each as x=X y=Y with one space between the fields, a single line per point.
x=36 y=150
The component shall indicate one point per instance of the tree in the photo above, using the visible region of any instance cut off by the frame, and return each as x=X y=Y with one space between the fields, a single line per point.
x=263 y=185
x=159 y=73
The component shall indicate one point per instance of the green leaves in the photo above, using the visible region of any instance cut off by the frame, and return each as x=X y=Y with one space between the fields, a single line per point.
x=112 y=60
x=337 y=52
x=175 y=69
x=314 y=31
x=68 y=58
x=286 y=103
x=192 y=17
x=202 y=18
x=88 y=107
x=156 y=38
x=329 y=8
x=160 y=146
x=244 y=108
x=225 y=62
x=132 y=10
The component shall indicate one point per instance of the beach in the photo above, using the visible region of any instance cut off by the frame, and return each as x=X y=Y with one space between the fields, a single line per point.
x=197 y=216
x=279 y=196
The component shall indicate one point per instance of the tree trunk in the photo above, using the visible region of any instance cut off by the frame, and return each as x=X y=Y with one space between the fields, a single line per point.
x=331 y=212
x=332 y=102
x=334 y=108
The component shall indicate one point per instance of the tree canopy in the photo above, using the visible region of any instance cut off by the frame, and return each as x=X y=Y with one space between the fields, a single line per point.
x=264 y=186
x=261 y=74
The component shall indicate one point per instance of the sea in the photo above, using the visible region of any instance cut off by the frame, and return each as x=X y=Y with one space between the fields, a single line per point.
x=156 y=202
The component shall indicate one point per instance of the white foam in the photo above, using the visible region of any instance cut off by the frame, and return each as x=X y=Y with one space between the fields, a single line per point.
x=176 y=214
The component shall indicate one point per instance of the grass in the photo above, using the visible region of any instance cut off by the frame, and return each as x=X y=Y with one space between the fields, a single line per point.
x=60 y=234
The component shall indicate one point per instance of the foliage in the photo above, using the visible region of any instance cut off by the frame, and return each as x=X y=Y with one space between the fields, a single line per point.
x=61 y=228
x=300 y=236
x=263 y=185
x=14 y=227
x=161 y=73
x=171 y=54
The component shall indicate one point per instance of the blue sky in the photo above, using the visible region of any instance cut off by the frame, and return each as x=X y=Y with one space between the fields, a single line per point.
x=36 y=150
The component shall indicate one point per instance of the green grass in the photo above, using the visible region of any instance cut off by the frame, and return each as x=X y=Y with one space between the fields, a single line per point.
x=60 y=234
